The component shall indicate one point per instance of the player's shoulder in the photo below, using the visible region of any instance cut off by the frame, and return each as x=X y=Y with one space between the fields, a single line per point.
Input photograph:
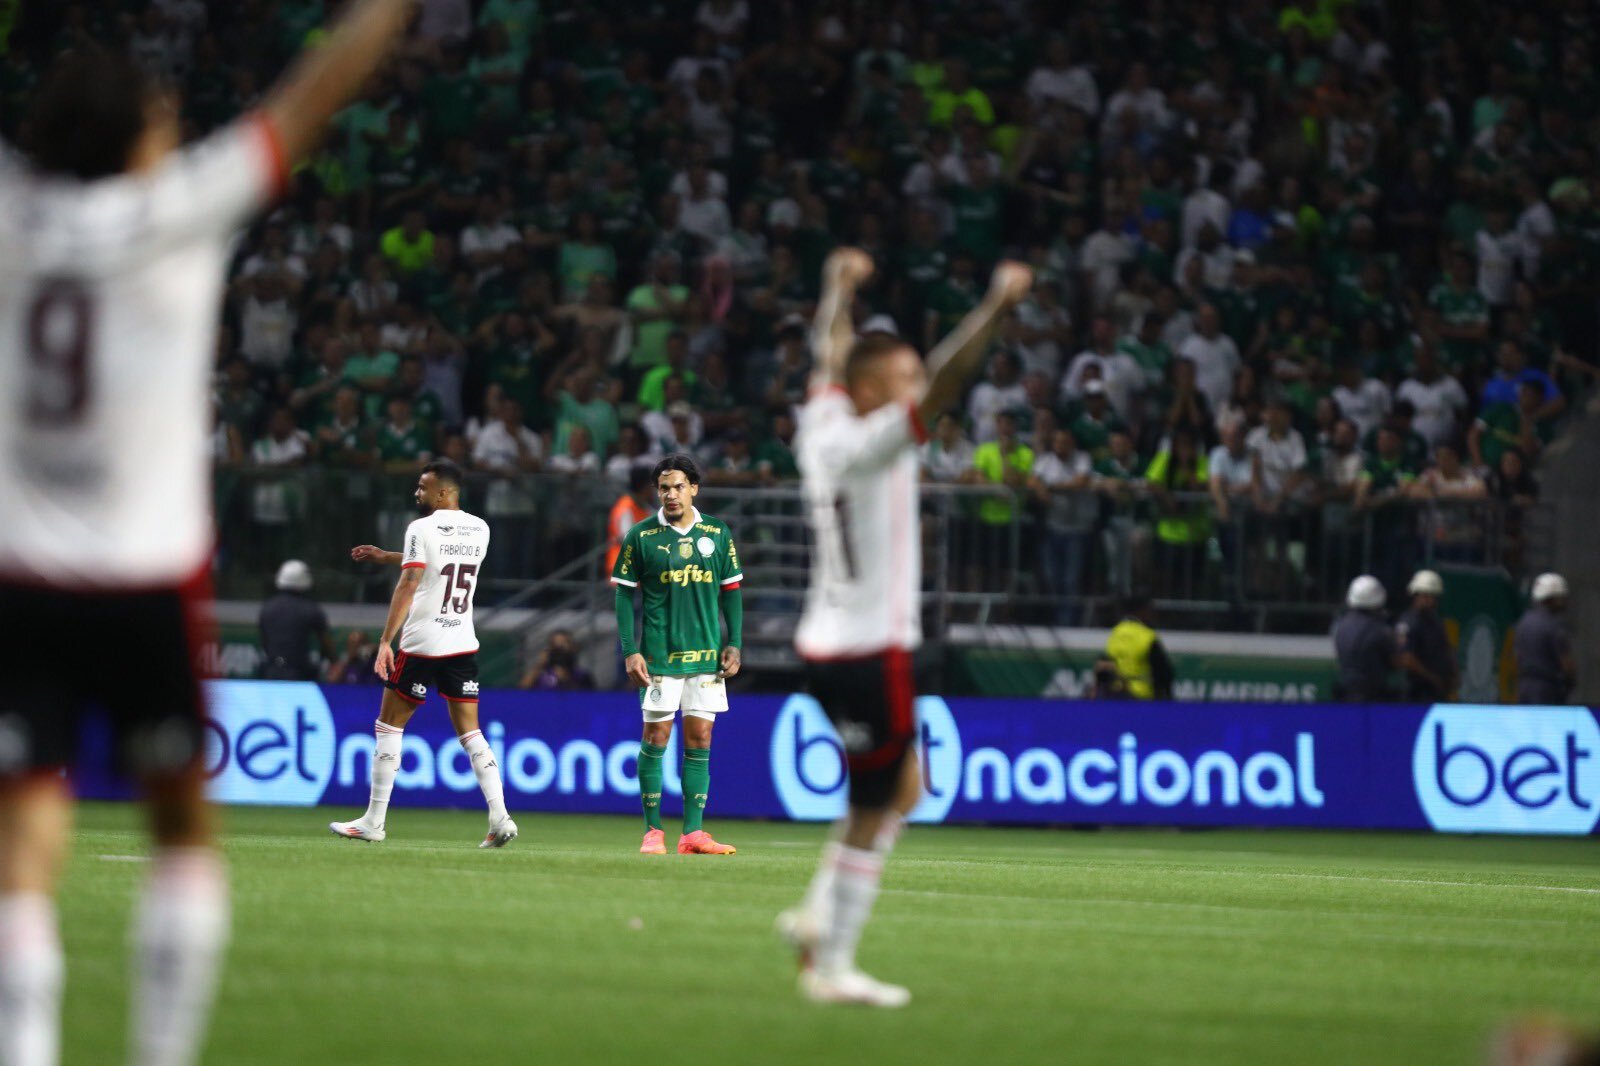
x=713 y=526
x=646 y=526
x=469 y=523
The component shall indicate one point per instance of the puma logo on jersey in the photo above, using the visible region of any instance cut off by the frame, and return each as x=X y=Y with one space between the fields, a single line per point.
x=469 y=688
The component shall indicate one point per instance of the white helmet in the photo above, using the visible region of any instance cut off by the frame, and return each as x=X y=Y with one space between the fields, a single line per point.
x=1549 y=587
x=294 y=576
x=1427 y=583
x=1366 y=594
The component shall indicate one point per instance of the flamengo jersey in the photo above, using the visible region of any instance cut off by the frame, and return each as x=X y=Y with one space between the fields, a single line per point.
x=450 y=547
x=109 y=302
x=683 y=575
x=859 y=475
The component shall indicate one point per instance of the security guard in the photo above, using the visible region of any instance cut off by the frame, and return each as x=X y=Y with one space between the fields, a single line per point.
x=1365 y=645
x=1425 y=652
x=1135 y=648
x=288 y=621
x=1545 y=667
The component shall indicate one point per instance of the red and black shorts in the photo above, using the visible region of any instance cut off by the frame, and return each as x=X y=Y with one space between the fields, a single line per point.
x=132 y=654
x=871 y=702
x=455 y=676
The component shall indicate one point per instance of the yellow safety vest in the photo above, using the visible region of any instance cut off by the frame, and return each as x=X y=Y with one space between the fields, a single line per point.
x=1129 y=647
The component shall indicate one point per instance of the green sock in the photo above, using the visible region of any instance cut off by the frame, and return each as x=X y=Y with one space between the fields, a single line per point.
x=696 y=783
x=650 y=778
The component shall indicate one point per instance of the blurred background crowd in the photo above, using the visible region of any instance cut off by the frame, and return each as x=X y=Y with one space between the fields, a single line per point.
x=1276 y=267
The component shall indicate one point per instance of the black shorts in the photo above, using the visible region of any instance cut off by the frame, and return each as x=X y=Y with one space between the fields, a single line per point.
x=455 y=676
x=131 y=654
x=871 y=702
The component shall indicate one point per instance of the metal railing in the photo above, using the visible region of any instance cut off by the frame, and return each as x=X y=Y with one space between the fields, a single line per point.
x=991 y=554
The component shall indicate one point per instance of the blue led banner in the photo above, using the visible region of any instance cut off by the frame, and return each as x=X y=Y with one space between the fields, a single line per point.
x=1448 y=768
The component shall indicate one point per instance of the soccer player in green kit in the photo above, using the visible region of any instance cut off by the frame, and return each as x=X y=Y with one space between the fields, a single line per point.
x=687 y=567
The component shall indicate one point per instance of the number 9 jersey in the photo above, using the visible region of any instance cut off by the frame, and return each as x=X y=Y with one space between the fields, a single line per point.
x=450 y=547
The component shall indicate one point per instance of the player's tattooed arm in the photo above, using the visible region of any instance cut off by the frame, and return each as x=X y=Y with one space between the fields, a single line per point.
x=371 y=553
x=956 y=359
x=329 y=75
x=399 y=606
x=832 y=332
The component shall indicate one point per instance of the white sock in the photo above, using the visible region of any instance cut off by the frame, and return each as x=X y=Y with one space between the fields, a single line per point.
x=855 y=889
x=31 y=972
x=488 y=771
x=180 y=930
x=888 y=832
x=819 y=894
x=385 y=765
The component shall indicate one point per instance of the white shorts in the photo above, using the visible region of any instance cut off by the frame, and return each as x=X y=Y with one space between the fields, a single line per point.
x=702 y=696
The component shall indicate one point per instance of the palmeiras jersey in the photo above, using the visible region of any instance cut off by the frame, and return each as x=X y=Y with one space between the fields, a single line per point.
x=682 y=573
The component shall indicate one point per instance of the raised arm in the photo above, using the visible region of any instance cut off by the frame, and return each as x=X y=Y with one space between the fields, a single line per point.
x=956 y=359
x=832 y=332
x=327 y=77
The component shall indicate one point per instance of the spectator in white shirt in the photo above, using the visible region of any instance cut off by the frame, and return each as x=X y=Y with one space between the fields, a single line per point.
x=1280 y=453
x=1363 y=400
x=579 y=458
x=1215 y=356
x=1500 y=253
x=1102 y=256
x=1205 y=204
x=1059 y=81
x=1141 y=98
x=1123 y=377
x=1061 y=480
x=949 y=454
x=1438 y=398
x=1003 y=391
x=512 y=450
x=484 y=243
x=1232 y=470
x=1216 y=259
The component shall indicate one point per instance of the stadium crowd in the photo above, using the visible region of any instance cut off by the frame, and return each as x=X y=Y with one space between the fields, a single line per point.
x=1275 y=266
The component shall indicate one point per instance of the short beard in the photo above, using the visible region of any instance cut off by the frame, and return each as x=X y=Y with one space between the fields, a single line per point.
x=424 y=508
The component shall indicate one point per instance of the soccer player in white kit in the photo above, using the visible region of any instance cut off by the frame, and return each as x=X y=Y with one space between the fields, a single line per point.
x=113 y=248
x=857 y=450
x=439 y=571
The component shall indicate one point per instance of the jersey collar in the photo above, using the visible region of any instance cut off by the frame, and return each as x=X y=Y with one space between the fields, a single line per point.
x=694 y=517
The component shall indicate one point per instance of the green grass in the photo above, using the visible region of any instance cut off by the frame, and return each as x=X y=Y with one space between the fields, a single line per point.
x=1020 y=945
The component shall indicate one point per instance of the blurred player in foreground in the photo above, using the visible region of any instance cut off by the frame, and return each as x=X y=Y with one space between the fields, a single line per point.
x=870 y=401
x=687 y=568
x=439 y=570
x=113 y=250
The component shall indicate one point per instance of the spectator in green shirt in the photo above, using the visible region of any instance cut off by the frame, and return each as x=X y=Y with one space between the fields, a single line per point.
x=775 y=455
x=1501 y=427
x=342 y=437
x=1463 y=314
x=409 y=246
x=372 y=366
x=579 y=404
x=657 y=308
x=583 y=257
x=404 y=444
x=653 y=383
x=956 y=92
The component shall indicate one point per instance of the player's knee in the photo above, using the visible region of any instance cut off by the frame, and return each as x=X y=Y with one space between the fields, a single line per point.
x=179 y=815
x=697 y=732
x=658 y=733
x=877 y=788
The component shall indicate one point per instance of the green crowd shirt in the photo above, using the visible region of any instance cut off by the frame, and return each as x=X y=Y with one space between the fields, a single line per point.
x=682 y=576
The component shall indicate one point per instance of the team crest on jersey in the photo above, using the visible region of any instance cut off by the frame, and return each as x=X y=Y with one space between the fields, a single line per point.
x=706 y=546
x=685 y=549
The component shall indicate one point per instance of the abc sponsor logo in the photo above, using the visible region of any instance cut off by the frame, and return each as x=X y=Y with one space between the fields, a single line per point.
x=808 y=767
x=809 y=775
x=1508 y=770
x=269 y=743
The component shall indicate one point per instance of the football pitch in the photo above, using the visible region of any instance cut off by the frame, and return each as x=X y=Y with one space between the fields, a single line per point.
x=1019 y=945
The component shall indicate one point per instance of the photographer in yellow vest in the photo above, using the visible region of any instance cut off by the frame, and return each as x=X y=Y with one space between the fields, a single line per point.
x=1135 y=647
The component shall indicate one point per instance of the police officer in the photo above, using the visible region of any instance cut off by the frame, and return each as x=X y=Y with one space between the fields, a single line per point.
x=1136 y=650
x=1425 y=652
x=1364 y=645
x=288 y=622
x=1545 y=667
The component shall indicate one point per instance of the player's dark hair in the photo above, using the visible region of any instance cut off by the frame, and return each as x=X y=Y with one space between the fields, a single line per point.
x=677 y=461
x=87 y=115
x=868 y=348
x=445 y=470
